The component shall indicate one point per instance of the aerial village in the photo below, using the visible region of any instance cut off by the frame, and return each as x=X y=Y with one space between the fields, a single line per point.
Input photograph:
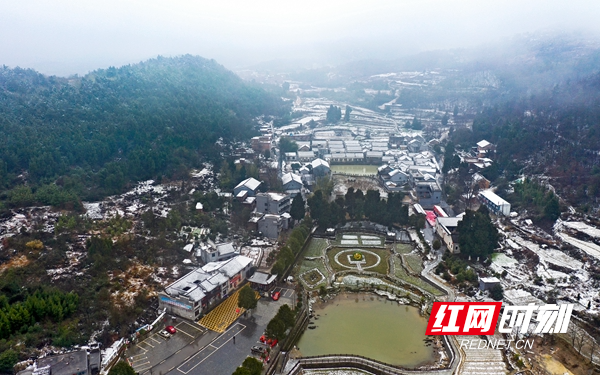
x=366 y=151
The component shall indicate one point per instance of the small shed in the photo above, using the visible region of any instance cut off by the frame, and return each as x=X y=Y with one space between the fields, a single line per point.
x=487 y=283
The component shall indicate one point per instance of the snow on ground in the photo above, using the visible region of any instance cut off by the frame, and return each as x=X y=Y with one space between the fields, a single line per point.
x=481 y=361
x=202 y=173
x=371 y=242
x=503 y=260
x=257 y=242
x=550 y=274
x=93 y=210
x=590 y=248
x=582 y=227
x=334 y=372
x=553 y=256
x=520 y=297
x=365 y=237
x=252 y=252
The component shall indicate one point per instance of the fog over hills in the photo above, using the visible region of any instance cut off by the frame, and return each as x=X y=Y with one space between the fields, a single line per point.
x=60 y=38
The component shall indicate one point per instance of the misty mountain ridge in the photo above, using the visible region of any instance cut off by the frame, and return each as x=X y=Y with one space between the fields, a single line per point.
x=94 y=134
x=526 y=62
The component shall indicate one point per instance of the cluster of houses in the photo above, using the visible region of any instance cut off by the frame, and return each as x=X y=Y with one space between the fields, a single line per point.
x=353 y=151
x=418 y=172
x=480 y=156
x=270 y=211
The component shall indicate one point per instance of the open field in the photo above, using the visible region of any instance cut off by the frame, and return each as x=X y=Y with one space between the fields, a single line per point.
x=402 y=248
x=316 y=247
x=360 y=170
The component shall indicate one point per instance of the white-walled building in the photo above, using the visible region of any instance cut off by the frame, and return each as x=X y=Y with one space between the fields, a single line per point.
x=494 y=203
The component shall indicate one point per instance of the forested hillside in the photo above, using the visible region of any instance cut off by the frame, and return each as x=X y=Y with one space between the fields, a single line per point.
x=556 y=133
x=64 y=140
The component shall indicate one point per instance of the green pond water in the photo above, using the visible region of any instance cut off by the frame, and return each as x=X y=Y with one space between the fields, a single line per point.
x=362 y=170
x=370 y=326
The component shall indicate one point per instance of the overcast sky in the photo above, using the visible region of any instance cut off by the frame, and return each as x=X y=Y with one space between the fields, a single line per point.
x=75 y=36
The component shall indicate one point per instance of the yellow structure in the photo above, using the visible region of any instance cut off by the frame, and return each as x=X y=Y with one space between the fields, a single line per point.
x=223 y=315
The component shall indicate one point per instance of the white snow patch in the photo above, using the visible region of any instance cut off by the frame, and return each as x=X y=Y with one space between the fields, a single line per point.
x=582 y=227
x=93 y=210
x=590 y=248
x=371 y=242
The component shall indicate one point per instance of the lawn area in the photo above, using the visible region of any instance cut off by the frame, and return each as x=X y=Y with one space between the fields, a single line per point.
x=381 y=268
x=400 y=273
x=316 y=247
x=403 y=248
x=361 y=170
x=414 y=262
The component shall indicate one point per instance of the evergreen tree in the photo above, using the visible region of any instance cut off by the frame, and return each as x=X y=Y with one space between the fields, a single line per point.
x=286 y=315
x=552 y=208
x=242 y=371
x=122 y=368
x=497 y=293
x=334 y=114
x=297 y=211
x=287 y=145
x=347 y=113
x=8 y=359
x=477 y=235
x=275 y=329
x=253 y=365
x=445 y=119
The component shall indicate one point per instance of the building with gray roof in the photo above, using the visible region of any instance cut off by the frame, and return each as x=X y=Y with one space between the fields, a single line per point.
x=250 y=185
x=194 y=293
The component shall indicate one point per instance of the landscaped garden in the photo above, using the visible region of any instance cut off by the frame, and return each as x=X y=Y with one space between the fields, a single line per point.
x=414 y=262
x=403 y=248
x=306 y=272
x=373 y=260
x=401 y=273
x=313 y=278
x=359 y=252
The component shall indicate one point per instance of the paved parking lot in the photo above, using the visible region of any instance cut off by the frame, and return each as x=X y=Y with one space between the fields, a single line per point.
x=285 y=292
x=193 y=350
x=222 y=355
x=149 y=352
x=211 y=348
